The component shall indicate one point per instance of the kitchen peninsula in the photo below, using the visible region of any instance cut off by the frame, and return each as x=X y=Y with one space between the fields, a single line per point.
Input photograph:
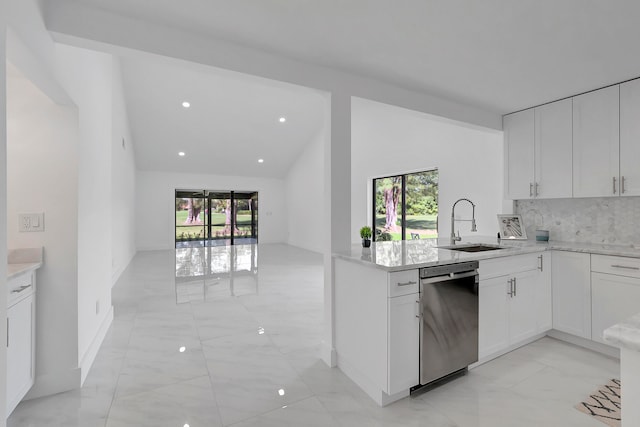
x=526 y=290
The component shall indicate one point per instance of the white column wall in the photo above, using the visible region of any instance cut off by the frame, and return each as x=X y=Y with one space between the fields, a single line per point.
x=123 y=182
x=3 y=212
x=88 y=78
x=305 y=194
x=155 y=205
x=337 y=176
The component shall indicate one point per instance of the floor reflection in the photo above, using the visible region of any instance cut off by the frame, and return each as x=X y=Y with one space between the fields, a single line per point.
x=204 y=273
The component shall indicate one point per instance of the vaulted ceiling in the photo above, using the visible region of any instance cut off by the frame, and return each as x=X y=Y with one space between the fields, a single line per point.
x=496 y=55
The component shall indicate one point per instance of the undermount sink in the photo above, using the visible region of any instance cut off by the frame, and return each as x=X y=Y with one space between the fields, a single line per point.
x=472 y=248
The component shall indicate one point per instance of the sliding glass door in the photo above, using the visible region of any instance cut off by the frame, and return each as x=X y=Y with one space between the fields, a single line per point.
x=213 y=218
x=406 y=206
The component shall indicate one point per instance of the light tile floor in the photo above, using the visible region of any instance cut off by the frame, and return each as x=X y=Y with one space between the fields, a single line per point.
x=251 y=358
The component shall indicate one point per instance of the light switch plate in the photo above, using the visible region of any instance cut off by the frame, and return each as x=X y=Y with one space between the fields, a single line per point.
x=28 y=222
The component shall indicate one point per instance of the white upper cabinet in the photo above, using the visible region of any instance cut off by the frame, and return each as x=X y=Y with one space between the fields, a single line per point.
x=519 y=138
x=538 y=152
x=630 y=138
x=553 y=150
x=596 y=143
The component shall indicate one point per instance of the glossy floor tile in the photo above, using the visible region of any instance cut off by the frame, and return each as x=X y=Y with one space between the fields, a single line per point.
x=231 y=337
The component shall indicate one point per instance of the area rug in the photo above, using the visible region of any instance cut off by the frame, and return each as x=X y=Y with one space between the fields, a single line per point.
x=604 y=404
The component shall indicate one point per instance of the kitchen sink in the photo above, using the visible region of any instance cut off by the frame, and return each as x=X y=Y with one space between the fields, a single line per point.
x=472 y=248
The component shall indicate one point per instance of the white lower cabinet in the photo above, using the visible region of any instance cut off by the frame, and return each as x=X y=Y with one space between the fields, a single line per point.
x=512 y=304
x=493 y=327
x=20 y=343
x=615 y=291
x=523 y=317
x=571 y=272
x=377 y=329
x=404 y=342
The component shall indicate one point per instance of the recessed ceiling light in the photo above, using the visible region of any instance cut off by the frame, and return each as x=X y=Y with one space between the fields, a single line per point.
x=186 y=104
x=283 y=119
x=260 y=160
x=181 y=154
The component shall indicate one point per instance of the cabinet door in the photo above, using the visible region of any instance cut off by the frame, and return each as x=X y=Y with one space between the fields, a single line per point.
x=19 y=351
x=614 y=299
x=571 y=281
x=630 y=138
x=518 y=135
x=553 y=150
x=523 y=316
x=596 y=143
x=544 y=299
x=493 y=334
x=404 y=343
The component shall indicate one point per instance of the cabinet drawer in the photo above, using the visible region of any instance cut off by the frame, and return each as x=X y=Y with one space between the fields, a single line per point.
x=403 y=283
x=508 y=265
x=19 y=287
x=622 y=266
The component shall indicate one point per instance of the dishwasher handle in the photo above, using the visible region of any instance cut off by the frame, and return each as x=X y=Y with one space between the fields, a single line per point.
x=447 y=277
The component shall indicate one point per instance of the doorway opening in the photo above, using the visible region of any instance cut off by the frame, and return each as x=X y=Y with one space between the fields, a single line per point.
x=215 y=218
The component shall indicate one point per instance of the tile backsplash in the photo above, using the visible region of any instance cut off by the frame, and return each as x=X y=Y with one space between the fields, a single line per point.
x=609 y=220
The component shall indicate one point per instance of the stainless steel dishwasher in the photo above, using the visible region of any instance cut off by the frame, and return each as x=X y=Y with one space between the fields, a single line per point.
x=449 y=324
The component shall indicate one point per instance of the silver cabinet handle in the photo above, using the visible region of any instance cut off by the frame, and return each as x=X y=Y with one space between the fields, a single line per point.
x=20 y=289
x=410 y=282
x=535 y=192
x=515 y=286
x=531 y=189
x=622 y=190
x=510 y=293
x=419 y=315
x=628 y=267
x=614 y=185
x=540 y=265
x=7 y=332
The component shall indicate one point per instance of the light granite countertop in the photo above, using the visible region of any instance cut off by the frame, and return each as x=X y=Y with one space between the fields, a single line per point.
x=625 y=334
x=22 y=260
x=409 y=254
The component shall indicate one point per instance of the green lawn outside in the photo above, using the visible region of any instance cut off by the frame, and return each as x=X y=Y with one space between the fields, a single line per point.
x=217 y=229
x=424 y=225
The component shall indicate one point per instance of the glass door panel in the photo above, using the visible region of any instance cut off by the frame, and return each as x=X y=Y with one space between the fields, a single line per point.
x=421 y=205
x=388 y=208
x=190 y=218
x=221 y=218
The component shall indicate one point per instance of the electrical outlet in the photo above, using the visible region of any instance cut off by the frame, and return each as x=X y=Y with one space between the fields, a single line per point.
x=30 y=222
x=24 y=222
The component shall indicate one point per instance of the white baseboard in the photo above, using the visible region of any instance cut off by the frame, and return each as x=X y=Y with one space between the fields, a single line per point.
x=91 y=353
x=328 y=355
x=55 y=382
x=586 y=343
x=368 y=386
x=115 y=275
x=509 y=349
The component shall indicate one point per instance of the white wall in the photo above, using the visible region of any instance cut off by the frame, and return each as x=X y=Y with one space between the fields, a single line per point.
x=3 y=211
x=42 y=145
x=388 y=140
x=88 y=78
x=304 y=189
x=155 y=205
x=123 y=181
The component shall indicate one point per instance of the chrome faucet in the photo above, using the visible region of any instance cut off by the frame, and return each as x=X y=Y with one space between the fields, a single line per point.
x=457 y=238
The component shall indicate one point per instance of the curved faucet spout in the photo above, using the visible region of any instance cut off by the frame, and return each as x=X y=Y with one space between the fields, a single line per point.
x=457 y=238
